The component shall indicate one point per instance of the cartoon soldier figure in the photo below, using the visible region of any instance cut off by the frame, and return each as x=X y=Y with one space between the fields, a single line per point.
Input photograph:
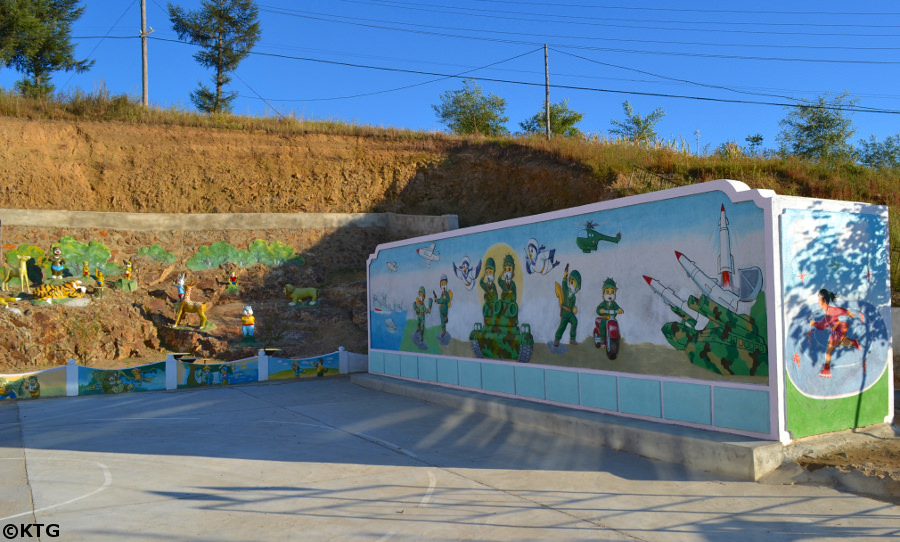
x=507 y=284
x=565 y=293
x=608 y=308
x=421 y=310
x=487 y=282
x=444 y=303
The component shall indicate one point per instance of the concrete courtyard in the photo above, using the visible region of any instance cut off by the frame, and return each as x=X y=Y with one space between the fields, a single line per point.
x=330 y=460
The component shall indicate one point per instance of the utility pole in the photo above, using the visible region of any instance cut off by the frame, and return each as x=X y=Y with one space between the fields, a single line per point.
x=145 y=95
x=697 y=133
x=547 y=91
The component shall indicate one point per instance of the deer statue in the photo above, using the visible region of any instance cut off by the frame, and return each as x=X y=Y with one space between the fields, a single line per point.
x=21 y=273
x=188 y=306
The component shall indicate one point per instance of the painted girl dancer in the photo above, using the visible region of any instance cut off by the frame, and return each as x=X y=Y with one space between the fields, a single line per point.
x=838 y=327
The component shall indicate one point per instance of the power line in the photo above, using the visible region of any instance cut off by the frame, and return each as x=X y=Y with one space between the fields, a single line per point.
x=584 y=47
x=566 y=87
x=688 y=10
x=582 y=18
x=386 y=91
x=630 y=40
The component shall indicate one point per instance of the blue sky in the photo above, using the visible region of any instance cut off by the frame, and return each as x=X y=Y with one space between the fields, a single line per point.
x=386 y=62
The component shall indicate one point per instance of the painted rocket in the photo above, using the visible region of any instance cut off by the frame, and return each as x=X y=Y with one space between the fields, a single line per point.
x=670 y=297
x=707 y=284
x=726 y=260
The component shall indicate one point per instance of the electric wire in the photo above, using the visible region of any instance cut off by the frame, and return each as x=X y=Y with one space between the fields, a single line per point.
x=557 y=86
x=590 y=48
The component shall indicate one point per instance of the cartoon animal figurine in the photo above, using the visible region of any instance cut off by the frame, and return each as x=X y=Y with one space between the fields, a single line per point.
x=57 y=263
x=248 y=322
x=297 y=295
x=100 y=280
x=188 y=306
x=85 y=269
x=21 y=273
x=49 y=292
x=128 y=269
x=179 y=285
x=232 y=279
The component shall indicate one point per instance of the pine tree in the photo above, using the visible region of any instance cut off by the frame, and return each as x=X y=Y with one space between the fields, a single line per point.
x=35 y=41
x=225 y=31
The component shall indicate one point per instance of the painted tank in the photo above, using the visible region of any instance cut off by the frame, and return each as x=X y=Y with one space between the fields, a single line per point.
x=501 y=336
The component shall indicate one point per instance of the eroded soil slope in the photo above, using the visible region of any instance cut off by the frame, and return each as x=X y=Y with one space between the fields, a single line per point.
x=140 y=168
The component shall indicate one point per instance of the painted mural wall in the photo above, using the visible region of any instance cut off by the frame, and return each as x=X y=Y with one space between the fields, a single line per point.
x=48 y=383
x=836 y=292
x=672 y=288
x=280 y=368
x=150 y=377
x=171 y=374
x=711 y=305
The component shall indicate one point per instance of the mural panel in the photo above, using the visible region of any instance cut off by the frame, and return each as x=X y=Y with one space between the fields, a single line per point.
x=672 y=287
x=318 y=366
x=142 y=378
x=49 y=383
x=836 y=309
x=195 y=375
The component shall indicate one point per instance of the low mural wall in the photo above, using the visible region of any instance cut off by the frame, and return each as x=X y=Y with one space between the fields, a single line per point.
x=334 y=240
x=173 y=373
x=679 y=306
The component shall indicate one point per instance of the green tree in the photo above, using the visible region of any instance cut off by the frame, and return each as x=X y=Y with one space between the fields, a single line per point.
x=880 y=154
x=754 y=142
x=225 y=31
x=35 y=41
x=636 y=128
x=562 y=121
x=469 y=111
x=17 y=23
x=819 y=130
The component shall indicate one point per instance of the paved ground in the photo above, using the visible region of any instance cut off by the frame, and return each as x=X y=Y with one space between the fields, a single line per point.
x=328 y=460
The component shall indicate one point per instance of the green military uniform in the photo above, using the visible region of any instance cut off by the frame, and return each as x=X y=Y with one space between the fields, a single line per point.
x=421 y=310
x=508 y=285
x=443 y=302
x=567 y=309
x=608 y=308
x=490 y=288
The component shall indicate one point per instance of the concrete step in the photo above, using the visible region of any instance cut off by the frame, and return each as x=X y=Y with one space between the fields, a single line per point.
x=729 y=455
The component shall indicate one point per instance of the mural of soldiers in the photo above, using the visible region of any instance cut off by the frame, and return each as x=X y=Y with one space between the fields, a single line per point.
x=565 y=293
x=487 y=282
x=443 y=302
x=507 y=284
x=421 y=310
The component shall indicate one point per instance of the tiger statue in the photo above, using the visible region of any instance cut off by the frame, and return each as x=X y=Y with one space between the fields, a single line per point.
x=49 y=292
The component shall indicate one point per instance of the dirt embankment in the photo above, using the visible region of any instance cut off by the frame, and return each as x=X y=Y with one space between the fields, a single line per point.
x=156 y=168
